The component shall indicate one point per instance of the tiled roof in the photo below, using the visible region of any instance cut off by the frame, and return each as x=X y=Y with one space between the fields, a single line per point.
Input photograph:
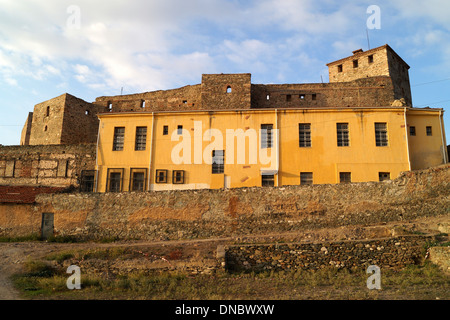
x=24 y=194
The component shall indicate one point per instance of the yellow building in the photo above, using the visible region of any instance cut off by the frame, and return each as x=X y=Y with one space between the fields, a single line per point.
x=140 y=151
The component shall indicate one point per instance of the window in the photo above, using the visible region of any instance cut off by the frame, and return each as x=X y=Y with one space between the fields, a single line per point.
x=370 y=58
x=218 y=160
x=48 y=111
x=114 y=183
x=306 y=178
x=302 y=97
x=86 y=112
x=165 y=130
x=178 y=177
x=355 y=63
x=228 y=89
x=267 y=180
x=119 y=136
x=345 y=177
x=429 y=131
x=266 y=136
x=45 y=128
x=384 y=176
x=141 y=138
x=412 y=131
x=304 y=134
x=142 y=103
x=110 y=106
x=268 y=97
x=184 y=101
x=137 y=181
x=342 y=135
x=87 y=181
x=161 y=176
x=288 y=97
x=381 y=138
x=339 y=68
x=314 y=96
x=180 y=130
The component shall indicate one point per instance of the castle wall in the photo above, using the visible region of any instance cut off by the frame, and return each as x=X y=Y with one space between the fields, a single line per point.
x=45 y=165
x=26 y=131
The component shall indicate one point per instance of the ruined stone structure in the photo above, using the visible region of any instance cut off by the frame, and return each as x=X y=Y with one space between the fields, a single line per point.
x=375 y=78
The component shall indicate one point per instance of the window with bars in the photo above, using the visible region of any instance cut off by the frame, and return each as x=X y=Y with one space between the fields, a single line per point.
x=381 y=136
x=266 y=136
x=218 y=161
x=384 y=176
x=138 y=181
x=306 y=178
x=345 y=177
x=115 y=182
x=119 y=138
x=304 y=134
x=141 y=138
x=165 y=130
x=342 y=135
x=178 y=177
x=267 y=180
x=87 y=181
x=429 y=131
x=161 y=176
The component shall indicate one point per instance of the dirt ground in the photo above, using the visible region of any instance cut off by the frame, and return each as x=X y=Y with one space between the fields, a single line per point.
x=13 y=255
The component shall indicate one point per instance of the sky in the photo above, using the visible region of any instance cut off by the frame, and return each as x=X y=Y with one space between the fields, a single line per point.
x=99 y=48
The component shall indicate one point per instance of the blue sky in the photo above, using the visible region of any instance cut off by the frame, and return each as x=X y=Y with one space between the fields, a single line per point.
x=95 y=48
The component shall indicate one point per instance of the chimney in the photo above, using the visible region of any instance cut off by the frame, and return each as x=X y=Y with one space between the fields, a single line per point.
x=357 y=51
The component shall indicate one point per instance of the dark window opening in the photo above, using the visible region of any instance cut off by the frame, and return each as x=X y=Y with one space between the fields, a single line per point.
x=267 y=180
x=138 y=181
x=180 y=130
x=412 y=131
x=288 y=97
x=48 y=111
x=178 y=177
x=165 y=130
x=384 y=176
x=355 y=63
x=345 y=177
x=381 y=137
x=218 y=161
x=115 y=182
x=342 y=135
x=266 y=136
x=87 y=181
x=161 y=176
x=306 y=178
x=314 y=96
x=304 y=134
x=45 y=128
x=370 y=58
x=429 y=131
x=141 y=138
x=119 y=138
x=339 y=68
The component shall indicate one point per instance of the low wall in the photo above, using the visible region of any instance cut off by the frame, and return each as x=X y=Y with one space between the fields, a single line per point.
x=172 y=215
x=393 y=253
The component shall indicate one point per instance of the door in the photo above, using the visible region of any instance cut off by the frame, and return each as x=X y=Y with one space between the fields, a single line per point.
x=47 y=225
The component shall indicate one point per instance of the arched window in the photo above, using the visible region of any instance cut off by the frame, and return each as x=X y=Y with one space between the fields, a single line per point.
x=228 y=89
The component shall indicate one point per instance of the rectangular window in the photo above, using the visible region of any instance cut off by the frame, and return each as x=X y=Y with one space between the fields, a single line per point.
x=288 y=97
x=161 y=176
x=370 y=58
x=119 y=138
x=218 y=160
x=138 y=181
x=87 y=180
x=304 y=134
x=306 y=178
x=429 y=131
x=267 y=180
x=141 y=138
x=114 y=182
x=345 y=177
x=180 y=130
x=165 y=130
x=381 y=137
x=412 y=131
x=178 y=177
x=342 y=135
x=314 y=96
x=266 y=136
x=339 y=68
x=384 y=176
x=355 y=63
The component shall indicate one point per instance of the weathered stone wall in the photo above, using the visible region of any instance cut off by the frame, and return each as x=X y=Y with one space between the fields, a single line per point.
x=45 y=165
x=26 y=131
x=248 y=211
x=393 y=253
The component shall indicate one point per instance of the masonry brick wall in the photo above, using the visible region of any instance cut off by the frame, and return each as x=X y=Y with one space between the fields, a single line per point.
x=45 y=165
